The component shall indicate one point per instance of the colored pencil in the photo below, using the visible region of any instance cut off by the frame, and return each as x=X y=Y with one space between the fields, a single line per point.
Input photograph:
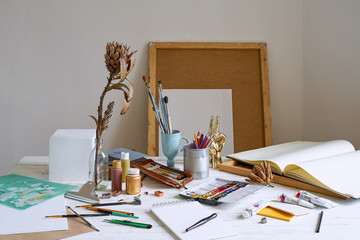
x=105 y=209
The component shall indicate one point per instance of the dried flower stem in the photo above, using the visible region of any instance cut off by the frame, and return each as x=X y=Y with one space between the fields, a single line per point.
x=99 y=128
x=119 y=62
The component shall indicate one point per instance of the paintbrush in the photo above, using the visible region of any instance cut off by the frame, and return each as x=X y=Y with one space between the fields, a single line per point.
x=162 y=108
x=86 y=221
x=135 y=202
x=166 y=99
x=155 y=107
x=75 y=216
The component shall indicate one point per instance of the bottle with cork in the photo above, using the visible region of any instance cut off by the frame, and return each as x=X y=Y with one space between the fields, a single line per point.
x=116 y=176
x=125 y=165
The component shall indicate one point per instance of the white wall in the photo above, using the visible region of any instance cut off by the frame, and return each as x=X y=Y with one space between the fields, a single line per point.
x=52 y=67
x=332 y=70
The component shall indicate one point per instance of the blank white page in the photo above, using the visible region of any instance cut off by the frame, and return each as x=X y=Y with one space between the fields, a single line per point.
x=179 y=215
x=33 y=219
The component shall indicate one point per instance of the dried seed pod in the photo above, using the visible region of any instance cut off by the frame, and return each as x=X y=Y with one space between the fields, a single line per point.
x=107 y=116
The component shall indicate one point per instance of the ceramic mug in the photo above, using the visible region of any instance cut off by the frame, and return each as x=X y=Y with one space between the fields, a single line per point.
x=171 y=146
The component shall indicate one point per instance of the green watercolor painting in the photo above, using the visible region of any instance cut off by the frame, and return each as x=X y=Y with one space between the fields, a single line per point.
x=22 y=192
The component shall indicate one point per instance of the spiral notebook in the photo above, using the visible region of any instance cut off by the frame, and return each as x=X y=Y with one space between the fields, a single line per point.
x=179 y=215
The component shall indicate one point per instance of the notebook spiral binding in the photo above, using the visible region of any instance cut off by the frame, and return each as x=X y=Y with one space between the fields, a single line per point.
x=177 y=202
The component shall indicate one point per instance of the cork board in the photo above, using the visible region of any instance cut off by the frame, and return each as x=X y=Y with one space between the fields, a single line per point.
x=241 y=67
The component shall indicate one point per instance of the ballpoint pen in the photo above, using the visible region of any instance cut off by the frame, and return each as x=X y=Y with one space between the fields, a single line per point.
x=129 y=223
x=201 y=222
x=319 y=222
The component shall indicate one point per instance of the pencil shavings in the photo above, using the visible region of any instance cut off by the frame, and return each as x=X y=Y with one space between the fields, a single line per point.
x=261 y=174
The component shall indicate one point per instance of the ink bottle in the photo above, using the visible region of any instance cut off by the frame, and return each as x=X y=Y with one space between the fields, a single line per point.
x=116 y=176
x=133 y=181
x=125 y=164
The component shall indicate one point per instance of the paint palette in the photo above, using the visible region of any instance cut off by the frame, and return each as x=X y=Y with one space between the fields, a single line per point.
x=219 y=190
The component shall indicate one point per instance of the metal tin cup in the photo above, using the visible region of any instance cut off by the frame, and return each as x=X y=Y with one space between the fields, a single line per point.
x=196 y=161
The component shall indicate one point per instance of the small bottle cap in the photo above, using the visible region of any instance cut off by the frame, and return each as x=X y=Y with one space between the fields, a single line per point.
x=125 y=155
x=116 y=164
x=133 y=171
x=246 y=214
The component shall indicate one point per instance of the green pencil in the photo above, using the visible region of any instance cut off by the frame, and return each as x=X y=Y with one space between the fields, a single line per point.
x=129 y=223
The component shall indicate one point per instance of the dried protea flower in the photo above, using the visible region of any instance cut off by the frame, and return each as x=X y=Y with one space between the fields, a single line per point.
x=119 y=61
x=261 y=174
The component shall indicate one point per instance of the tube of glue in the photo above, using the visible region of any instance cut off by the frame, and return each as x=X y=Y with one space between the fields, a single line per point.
x=322 y=202
x=254 y=209
x=294 y=200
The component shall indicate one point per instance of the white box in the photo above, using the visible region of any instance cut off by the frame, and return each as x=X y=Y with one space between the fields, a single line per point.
x=69 y=154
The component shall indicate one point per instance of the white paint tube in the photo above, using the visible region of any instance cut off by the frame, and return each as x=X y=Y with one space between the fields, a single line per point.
x=254 y=209
x=321 y=202
x=294 y=200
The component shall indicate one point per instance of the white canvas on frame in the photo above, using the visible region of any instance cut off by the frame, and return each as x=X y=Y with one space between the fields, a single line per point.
x=191 y=110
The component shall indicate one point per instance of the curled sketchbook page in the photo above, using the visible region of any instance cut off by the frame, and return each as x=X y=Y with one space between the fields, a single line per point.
x=179 y=215
x=332 y=166
x=338 y=173
x=281 y=155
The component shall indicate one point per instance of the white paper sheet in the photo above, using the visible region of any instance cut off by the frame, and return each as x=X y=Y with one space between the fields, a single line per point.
x=179 y=215
x=191 y=109
x=33 y=219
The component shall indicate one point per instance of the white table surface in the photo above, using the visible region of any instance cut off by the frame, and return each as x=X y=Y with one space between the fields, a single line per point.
x=342 y=222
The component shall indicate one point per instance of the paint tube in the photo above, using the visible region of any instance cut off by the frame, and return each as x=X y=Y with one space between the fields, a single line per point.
x=254 y=209
x=321 y=202
x=294 y=200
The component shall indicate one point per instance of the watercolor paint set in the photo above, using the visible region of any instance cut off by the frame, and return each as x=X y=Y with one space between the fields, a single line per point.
x=217 y=191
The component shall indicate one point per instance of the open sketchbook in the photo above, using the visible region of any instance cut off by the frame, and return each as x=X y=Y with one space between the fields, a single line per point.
x=179 y=215
x=332 y=165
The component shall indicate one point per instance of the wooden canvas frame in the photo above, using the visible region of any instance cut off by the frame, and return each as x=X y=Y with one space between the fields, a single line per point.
x=242 y=67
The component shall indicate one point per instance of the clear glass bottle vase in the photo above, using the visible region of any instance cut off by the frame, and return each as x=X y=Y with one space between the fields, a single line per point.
x=99 y=166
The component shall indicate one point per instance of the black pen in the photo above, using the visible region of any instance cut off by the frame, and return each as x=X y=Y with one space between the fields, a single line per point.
x=201 y=222
x=319 y=222
x=75 y=216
